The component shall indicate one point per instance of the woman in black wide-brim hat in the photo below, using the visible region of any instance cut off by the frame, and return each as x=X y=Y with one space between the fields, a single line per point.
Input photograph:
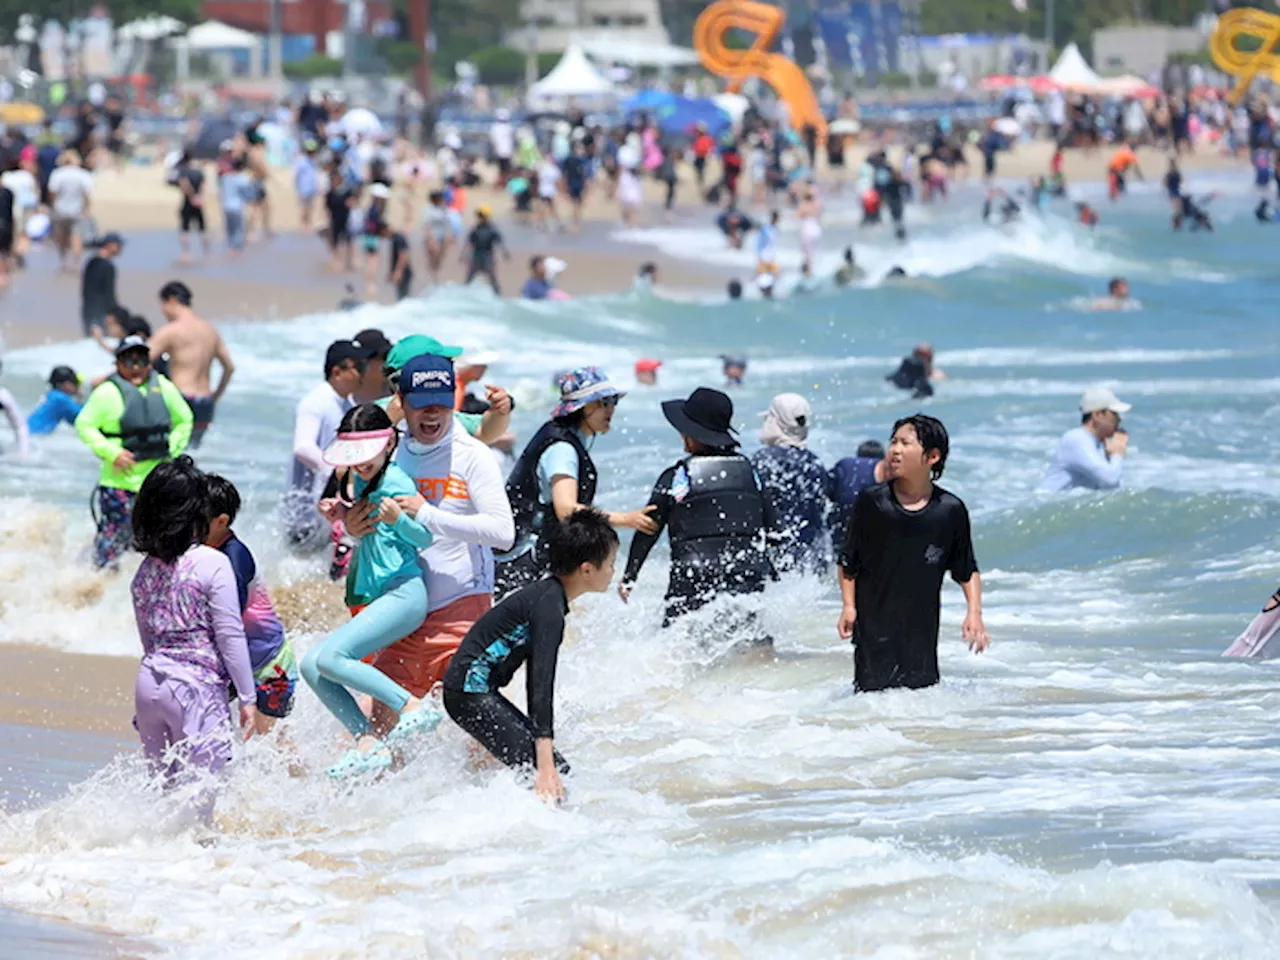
x=713 y=508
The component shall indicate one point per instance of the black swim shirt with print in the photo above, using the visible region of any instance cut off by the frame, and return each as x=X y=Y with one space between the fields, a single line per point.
x=898 y=559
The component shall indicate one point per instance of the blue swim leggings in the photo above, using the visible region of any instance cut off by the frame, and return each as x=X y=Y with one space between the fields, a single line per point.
x=337 y=664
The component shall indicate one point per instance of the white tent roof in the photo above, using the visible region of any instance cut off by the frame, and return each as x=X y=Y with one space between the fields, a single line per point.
x=573 y=76
x=639 y=53
x=1071 y=71
x=150 y=28
x=215 y=35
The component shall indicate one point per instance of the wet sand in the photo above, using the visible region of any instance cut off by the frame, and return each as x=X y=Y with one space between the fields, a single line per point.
x=289 y=276
x=61 y=718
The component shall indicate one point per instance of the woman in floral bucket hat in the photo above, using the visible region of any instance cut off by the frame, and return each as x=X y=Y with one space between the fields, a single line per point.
x=555 y=475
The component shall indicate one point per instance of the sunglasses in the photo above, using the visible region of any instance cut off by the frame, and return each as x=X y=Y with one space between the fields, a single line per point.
x=608 y=403
x=134 y=361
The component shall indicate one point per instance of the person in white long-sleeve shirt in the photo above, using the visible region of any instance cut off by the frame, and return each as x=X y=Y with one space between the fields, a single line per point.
x=462 y=500
x=314 y=427
x=1091 y=456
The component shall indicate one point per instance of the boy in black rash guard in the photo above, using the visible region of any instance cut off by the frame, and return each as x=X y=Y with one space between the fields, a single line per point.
x=526 y=630
x=904 y=536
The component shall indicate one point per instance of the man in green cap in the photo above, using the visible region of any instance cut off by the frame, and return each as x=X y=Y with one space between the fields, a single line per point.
x=488 y=427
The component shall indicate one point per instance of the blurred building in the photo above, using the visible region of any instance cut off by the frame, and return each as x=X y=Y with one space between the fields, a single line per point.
x=1142 y=50
x=317 y=19
x=549 y=26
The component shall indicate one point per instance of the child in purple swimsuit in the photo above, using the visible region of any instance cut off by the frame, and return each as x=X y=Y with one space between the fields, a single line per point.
x=188 y=612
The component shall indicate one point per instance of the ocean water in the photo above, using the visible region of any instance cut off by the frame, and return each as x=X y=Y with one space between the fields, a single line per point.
x=1100 y=783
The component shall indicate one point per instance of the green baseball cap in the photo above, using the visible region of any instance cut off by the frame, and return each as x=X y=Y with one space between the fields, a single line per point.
x=415 y=345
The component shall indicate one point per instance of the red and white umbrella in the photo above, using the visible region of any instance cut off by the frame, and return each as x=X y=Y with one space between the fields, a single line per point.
x=1005 y=81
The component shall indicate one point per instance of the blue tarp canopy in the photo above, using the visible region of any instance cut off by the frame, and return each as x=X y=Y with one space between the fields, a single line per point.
x=676 y=114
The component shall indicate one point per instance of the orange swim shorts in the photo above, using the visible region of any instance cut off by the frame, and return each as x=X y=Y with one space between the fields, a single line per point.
x=418 y=662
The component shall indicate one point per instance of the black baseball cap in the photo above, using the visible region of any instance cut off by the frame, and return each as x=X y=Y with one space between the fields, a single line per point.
x=340 y=351
x=375 y=340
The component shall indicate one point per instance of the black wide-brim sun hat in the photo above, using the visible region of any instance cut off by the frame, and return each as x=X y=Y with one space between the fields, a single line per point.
x=707 y=417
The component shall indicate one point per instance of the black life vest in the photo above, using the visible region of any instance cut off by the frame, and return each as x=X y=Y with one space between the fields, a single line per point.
x=527 y=507
x=720 y=521
x=145 y=423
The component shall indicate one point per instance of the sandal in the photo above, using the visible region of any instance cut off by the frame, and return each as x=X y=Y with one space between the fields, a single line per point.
x=357 y=762
x=423 y=720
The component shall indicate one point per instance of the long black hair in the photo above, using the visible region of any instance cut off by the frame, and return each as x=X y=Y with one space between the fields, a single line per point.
x=367 y=416
x=171 y=513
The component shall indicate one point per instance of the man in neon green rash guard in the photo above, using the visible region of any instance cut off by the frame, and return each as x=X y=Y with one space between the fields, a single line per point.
x=488 y=428
x=134 y=421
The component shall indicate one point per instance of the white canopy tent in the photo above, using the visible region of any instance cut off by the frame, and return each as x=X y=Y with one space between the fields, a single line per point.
x=734 y=104
x=573 y=78
x=215 y=35
x=636 y=53
x=134 y=40
x=150 y=28
x=1071 y=71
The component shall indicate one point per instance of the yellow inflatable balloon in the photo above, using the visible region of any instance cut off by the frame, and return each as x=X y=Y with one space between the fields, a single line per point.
x=781 y=73
x=1244 y=65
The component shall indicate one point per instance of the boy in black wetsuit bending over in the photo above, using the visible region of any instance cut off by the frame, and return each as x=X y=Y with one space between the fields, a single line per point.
x=526 y=630
x=905 y=535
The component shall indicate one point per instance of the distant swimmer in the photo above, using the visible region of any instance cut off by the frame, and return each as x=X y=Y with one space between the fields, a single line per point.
x=917 y=373
x=192 y=344
x=98 y=282
x=349 y=300
x=60 y=405
x=895 y=273
x=1091 y=456
x=526 y=630
x=735 y=225
x=1194 y=212
x=767 y=246
x=1117 y=297
x=1086 y=215
x=1118 y=167
x=1261 y=639
x=904 y=537
x=810 y=213
x=734 y=289
x=1265 y=213
x=849 y=271
x=765 y=283
x=480 y=252
x=735 y=368
x=848 y=478
x=715 y=513
x=646 y=277
x=647 y=371
x=1003 y=206
x=1173 y=187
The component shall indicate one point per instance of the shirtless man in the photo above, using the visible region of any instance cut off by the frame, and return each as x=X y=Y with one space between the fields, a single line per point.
x=192 y=344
